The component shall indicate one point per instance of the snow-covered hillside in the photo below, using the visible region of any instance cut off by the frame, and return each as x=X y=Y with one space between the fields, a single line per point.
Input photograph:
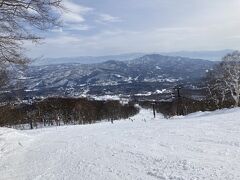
x=198 y=146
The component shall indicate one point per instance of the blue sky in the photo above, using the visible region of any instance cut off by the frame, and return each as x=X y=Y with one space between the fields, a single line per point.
x=103 y=27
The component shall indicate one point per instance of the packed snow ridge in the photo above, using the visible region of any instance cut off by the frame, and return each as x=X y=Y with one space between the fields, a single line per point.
x=198 y=146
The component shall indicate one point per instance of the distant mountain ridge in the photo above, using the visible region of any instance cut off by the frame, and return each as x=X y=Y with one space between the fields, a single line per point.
x=148 y=73
x=86 y=59
x=207 y=55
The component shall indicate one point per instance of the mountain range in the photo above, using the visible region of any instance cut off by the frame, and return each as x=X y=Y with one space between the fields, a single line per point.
x=142 y=75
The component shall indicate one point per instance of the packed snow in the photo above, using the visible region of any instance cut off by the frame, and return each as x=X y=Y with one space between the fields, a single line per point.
x=204 y=145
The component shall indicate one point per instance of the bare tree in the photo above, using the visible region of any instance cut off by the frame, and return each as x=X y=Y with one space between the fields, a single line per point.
x=231 y=69
x=216 y=86
x=224 y=80
x=19 y=21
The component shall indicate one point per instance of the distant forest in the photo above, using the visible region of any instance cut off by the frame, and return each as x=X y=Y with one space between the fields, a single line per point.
x=63 y=111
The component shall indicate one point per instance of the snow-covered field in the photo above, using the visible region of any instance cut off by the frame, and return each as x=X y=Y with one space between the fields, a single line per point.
x=198 y=146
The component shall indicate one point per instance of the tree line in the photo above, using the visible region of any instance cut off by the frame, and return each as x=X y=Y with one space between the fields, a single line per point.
x=63 y=111
x=182 y=106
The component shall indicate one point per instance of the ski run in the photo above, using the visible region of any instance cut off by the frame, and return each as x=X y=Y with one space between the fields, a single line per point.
x=203 y=145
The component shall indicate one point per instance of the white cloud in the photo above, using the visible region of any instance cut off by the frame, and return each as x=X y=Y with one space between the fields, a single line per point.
x=107 y=18
x=74 y=15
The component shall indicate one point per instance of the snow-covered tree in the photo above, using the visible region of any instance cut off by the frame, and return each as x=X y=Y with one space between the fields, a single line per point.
x=224 y=79
x=231 y=78
x=216 y=86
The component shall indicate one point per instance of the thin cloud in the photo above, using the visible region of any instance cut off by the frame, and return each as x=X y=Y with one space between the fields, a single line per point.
x=74 y=16
x=107 y=18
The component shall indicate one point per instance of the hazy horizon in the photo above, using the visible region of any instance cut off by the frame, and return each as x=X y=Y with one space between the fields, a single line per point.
x=204 y=55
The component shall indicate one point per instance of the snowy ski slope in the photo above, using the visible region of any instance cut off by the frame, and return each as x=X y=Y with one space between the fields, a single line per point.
x=198 y=146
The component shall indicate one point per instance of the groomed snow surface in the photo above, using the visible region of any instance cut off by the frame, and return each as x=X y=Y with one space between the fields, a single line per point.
x=198 y=146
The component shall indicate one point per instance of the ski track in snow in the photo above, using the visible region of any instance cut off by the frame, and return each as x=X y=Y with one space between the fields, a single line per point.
x=198 y=146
